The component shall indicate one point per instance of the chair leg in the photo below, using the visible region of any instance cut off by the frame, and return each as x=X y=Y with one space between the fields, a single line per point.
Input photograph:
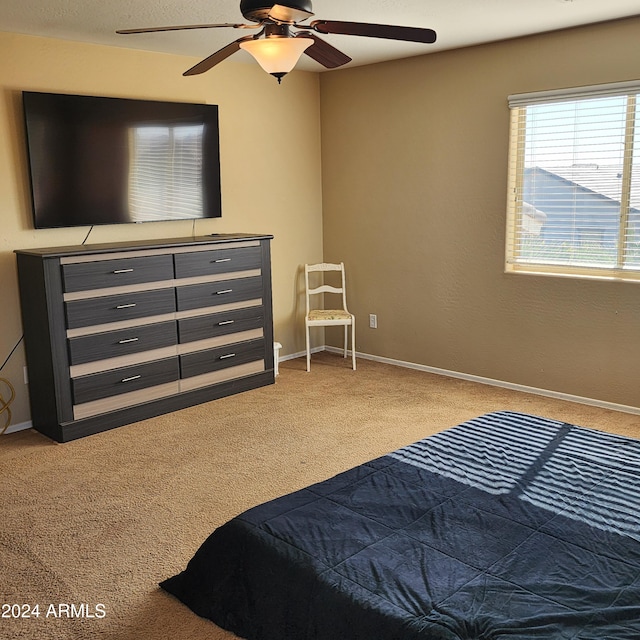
x=308 y=349
x=353 y=342
x=346 y=335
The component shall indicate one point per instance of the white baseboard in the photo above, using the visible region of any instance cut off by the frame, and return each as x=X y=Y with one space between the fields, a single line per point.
x=18 y=427
x=496 y=383
x=303 y=354
x=441 y=372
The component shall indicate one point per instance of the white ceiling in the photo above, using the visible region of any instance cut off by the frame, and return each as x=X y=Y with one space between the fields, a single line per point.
x=458 y=23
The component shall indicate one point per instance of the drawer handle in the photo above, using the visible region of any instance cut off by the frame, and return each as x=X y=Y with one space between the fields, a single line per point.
x=126 y=306
x=229 y=355
x=219 y=293
x=127 y=340
x=220 y=324
x=123 y=271
x=130 y=379
x=223 y=260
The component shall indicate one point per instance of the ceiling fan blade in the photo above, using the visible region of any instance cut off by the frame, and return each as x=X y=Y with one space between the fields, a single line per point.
x=216 y=58
x=390 y=32
x=187 y=26
x=324 y=53
x=280 y=13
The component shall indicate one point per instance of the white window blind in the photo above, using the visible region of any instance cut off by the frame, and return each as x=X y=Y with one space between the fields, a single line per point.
x=574 y=182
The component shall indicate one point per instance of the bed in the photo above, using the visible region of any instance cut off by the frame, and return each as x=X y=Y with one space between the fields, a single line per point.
x=508 y=526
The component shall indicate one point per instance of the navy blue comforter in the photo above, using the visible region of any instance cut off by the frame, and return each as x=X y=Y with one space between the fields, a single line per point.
x=505 y=527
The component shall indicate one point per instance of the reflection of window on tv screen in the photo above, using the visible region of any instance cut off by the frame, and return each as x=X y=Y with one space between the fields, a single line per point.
x=165 y=172
x=99 y=160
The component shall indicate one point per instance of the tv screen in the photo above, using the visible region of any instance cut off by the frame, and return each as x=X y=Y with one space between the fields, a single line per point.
x=99 y=160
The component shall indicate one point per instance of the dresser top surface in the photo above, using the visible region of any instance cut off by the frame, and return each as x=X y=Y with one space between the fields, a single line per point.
x=55 y=252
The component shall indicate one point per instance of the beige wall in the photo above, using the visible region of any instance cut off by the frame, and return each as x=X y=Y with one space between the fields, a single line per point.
x=270 y=150
x=414 y=191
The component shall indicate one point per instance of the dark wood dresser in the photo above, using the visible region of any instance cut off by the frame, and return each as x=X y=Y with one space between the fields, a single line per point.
x=120 y=332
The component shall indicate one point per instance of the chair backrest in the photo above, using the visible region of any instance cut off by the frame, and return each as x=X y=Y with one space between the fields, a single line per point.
x=325 y=288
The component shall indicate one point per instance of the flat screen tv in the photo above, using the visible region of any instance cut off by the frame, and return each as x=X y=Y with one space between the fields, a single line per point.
x=100 y=160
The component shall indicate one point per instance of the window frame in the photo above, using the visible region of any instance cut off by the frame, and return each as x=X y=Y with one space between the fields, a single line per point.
x=518 y=105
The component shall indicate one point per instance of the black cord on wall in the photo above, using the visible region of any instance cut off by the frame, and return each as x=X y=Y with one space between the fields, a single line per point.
x=90 y=230
x=17 y=344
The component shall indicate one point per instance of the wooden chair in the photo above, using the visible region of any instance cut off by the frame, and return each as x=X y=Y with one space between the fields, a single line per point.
x=328 y=317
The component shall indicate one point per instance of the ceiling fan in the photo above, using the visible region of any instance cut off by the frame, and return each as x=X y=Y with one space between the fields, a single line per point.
x=281 y=39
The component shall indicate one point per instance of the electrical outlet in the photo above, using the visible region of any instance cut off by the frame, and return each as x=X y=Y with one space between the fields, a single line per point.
x=373 y=321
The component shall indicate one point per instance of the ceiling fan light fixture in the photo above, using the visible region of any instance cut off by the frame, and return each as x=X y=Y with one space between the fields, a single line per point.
x=276 y=55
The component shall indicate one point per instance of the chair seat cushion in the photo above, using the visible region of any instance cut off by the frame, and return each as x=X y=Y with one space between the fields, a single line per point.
x=328 y=314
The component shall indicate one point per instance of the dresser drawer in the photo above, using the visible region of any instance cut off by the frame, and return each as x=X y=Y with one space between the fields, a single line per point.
x=207 y=295
x=200 y=362
x=124 y=380
x=127 y=306
x=123 y=342
x=203 y=263
x=220 y=324
x=116 y=273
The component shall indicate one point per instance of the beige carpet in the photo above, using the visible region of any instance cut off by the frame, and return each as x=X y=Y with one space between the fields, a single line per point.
x=103 y=519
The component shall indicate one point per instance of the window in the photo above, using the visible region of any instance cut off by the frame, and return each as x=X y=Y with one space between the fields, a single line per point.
x=574 y=182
